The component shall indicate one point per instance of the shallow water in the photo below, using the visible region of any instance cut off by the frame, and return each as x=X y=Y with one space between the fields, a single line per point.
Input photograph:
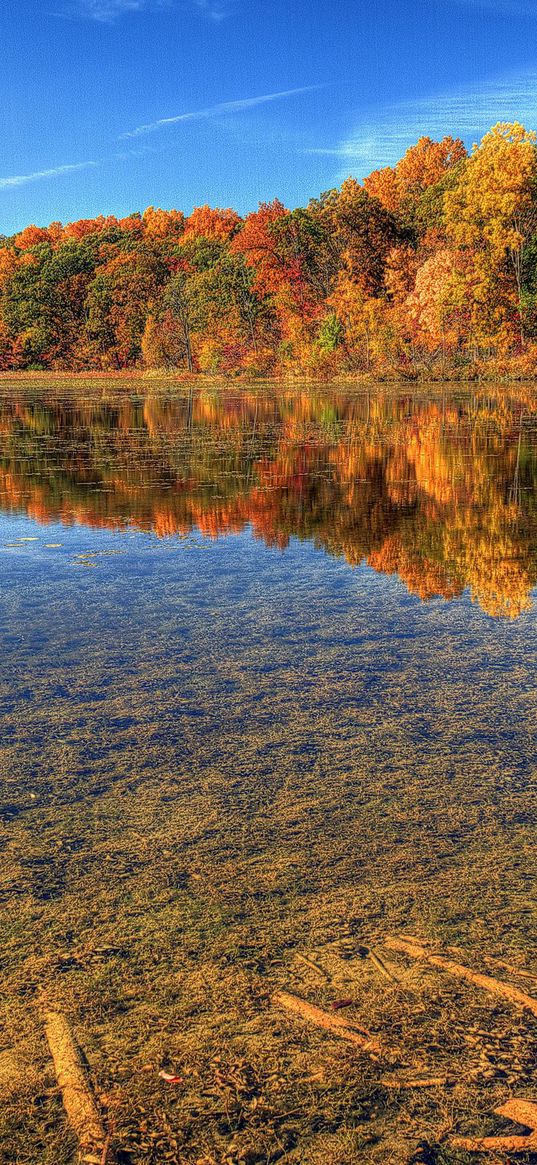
x=268 y=678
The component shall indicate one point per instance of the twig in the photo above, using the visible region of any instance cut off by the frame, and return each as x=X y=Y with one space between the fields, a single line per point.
x=314 y=967
x=106 y=1147
x=381 y=966
x=512 y=968
x=428 y=1082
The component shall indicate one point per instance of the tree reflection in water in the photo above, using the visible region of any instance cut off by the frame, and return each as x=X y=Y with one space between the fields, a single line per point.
x=438 y=488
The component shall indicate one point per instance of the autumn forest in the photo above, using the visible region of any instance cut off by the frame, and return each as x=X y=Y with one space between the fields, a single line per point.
x=426 y=268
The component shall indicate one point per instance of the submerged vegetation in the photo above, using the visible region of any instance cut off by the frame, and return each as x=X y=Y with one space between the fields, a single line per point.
x=428 y=267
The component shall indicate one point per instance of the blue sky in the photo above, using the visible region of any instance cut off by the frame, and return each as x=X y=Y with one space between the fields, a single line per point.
x=110 y=106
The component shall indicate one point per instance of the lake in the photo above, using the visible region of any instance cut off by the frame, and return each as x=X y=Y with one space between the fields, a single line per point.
x=268 y=704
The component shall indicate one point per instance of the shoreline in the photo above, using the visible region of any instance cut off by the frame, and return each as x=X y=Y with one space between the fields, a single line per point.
x=363 y=380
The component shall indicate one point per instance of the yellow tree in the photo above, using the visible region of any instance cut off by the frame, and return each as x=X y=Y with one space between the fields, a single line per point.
x=492 y=208
x=401 y=267
x=363 y=318
x=426 y=163
x=432 y=305
x=383 y=184
x=422 y=166
x=8 y=264
x=163 y=224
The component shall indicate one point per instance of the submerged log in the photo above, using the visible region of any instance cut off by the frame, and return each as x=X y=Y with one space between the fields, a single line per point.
x=78 y=1099
x=329 y=1021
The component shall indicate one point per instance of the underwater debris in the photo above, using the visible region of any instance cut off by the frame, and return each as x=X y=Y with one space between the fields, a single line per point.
x=487 y=982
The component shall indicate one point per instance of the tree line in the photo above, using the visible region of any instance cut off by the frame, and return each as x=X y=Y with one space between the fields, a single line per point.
x=427 y=266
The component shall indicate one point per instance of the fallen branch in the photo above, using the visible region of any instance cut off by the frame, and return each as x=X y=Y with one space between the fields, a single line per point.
x=523 y=1112
x=331 y=1022
x=487 y=982
x=79 y=1102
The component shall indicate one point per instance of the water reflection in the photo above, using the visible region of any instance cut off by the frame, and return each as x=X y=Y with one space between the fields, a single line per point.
x=438 y=489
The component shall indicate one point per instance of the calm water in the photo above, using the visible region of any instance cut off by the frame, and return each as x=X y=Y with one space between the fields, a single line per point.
x=268 y=677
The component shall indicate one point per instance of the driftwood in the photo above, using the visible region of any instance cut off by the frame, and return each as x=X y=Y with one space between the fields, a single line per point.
x=329 y=1021
x=523 y=1112
x=487 y=982
x=78 y=1100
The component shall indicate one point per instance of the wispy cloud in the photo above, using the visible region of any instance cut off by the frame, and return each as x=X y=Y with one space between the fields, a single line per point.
x=382 y=136
x=55 y=172
x=108 y=11
x=215 y=10
x=129 y=152
x=224 y=107
x=500 y=7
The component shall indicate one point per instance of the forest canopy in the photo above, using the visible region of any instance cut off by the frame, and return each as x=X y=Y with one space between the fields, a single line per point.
x=429 y=265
